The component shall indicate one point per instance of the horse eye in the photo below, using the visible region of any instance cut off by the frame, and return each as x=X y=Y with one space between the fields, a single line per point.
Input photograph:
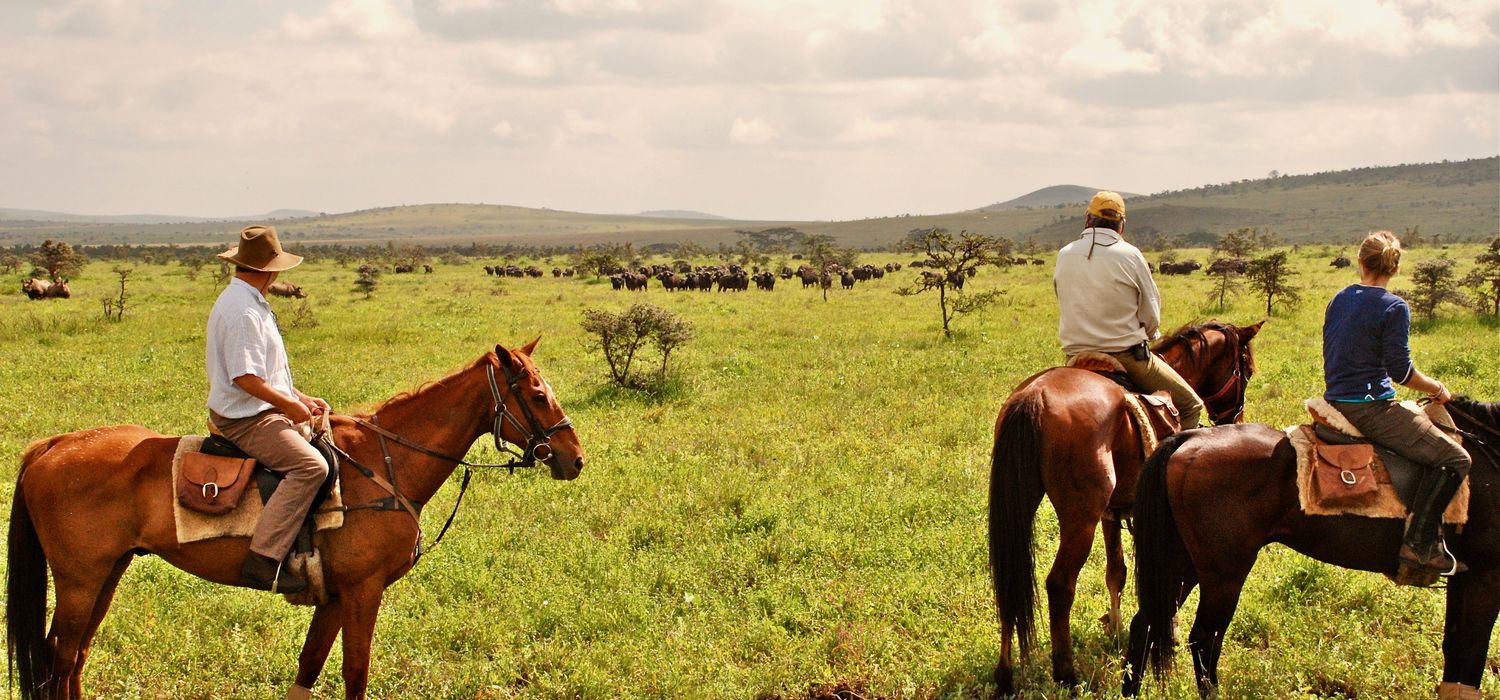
x=539 y=398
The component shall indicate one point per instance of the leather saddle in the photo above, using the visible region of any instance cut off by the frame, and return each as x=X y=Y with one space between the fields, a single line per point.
x=213 y=480
x=1357 y=453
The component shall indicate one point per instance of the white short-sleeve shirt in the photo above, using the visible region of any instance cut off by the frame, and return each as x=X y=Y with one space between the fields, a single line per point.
x=243 y=339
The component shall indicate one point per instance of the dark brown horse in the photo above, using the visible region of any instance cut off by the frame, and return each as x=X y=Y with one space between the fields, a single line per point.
x=1065 y=433
x=88 y=502
x=1210 y=499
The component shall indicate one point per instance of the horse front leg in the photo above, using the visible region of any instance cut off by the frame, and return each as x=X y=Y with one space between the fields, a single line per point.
x=360 y=608
x=327 y=618
x=1473 y=605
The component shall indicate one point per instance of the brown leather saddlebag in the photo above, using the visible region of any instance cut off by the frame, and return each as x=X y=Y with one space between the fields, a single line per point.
x=211 y=484
x=1343 y=475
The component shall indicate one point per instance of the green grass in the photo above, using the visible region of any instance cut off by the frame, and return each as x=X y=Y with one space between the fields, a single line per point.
x=803 y=508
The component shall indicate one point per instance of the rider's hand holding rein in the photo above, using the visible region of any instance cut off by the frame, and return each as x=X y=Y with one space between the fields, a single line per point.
x=300 y=408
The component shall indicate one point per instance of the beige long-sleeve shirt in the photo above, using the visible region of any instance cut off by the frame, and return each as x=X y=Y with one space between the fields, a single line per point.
x=1107 y=301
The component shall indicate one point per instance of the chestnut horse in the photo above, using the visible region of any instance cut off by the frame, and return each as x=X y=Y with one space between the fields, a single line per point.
x=86 y=503
x=1065 y=433
x=1211 y=499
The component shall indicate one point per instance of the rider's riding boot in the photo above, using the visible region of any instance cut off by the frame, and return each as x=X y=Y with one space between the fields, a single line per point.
x=1423 y=546
x=266 y=574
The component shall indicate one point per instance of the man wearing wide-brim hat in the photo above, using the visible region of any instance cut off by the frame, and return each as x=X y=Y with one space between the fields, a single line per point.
x=252 y=402
x=1108 y=303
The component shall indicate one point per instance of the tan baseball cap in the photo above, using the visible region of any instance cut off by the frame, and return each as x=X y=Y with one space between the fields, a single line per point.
x=260 y=250
x=1108 y=205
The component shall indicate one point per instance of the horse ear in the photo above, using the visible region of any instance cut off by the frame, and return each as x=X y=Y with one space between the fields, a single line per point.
x=1249 y=332
x=530 y=347
x=503 y=355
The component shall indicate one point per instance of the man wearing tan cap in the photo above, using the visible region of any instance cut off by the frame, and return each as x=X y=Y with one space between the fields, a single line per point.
x=252 y=402
x=1108 y=303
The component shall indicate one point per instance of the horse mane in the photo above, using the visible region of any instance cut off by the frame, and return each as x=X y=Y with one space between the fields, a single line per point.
x=1195 y=329
x=407 y=395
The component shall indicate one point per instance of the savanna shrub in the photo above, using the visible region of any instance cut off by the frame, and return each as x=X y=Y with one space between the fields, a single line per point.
x=623 y=337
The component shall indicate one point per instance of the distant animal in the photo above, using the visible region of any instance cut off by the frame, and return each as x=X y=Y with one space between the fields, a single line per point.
x=427 y=269
x=765 y=280
x=846 y=280
x=534 y=271
x=1234 y=265
x=489 y=269
x=808 y=275
x=1180 y=268
x=617 y=281
x=1340 y=262
x=956 y=279
x=557 y=272
x=734 y=282
x=405 y=268
x=37 y=288
x=286 y=289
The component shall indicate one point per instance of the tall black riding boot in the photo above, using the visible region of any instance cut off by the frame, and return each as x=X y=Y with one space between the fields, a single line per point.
x=1422 y=548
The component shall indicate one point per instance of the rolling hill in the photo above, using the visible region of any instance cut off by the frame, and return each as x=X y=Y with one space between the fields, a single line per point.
x=1453 y=199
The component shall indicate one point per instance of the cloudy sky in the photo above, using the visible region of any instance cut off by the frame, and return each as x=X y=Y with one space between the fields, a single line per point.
x=769 y=109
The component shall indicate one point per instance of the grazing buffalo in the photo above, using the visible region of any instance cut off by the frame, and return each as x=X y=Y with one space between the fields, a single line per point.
x=569 y=272
x=846 y=280
x=427 y=269
x=1234 y=265
x=405 y=268
x=1179 y=268
x=36 y=288
x=286 y=289
x=734 y=282
x=956 y=278
x=489 y=269
x=1340 y=262
x=617 y=281
x=765 y=280
x=557 y=272
x=809 y=276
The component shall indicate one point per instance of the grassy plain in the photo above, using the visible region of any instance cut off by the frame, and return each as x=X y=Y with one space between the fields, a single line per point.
x=803 y=509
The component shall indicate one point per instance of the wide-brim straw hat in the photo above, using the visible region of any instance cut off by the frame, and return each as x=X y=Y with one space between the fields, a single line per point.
x=260 y=250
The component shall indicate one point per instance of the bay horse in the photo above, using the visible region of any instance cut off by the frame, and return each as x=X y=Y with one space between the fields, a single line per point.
x=1211 y=499
x=1065 y=433
x=86 y=503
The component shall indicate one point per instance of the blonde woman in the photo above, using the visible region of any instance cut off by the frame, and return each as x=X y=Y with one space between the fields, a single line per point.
x=1365 y=353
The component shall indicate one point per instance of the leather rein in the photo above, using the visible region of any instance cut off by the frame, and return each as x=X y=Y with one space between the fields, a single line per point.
x=538 y=448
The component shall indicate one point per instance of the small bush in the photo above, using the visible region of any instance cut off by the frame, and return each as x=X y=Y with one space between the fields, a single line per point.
x=622 y=338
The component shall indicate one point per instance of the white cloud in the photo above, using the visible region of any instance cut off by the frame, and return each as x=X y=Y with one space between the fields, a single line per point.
x=503 y=129
x=864 y=129
x=360 y=19
x=1100 y=58
x=753 y=131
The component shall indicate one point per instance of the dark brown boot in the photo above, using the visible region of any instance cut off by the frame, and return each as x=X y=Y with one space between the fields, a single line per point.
x=263 y=573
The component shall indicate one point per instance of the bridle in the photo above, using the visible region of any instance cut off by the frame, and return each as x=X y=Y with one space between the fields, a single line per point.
x=1234 y=386
x=538 y=448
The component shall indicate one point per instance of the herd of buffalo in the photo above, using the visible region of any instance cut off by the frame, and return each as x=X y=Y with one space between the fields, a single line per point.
x=682 y=275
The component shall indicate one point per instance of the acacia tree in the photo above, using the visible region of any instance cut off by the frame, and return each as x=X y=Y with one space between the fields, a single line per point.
x=58 y=259
x=1239 y=243
x=621 y=337
x=1226 y=283
x=1272 y=276
x=1434 y=285
x=827 y=259
x=1484 y=281
x=949 y=262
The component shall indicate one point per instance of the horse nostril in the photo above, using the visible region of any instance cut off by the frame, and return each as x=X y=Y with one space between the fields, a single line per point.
x=578 y=464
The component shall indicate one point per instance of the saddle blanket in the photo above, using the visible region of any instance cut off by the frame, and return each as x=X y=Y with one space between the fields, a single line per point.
x=193 y=526
x=1387 y=504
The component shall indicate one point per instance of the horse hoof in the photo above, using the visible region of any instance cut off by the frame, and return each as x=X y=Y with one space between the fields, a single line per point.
x=1005 y=682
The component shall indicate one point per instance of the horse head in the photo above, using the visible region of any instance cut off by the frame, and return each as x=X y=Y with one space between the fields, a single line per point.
x=1217 y=360
x=530 y=416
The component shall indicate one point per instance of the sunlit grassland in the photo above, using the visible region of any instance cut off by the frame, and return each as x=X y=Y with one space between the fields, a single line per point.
x=803 y=506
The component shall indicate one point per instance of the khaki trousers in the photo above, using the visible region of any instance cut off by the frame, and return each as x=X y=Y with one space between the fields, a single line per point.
x=1152 y=374
x=274 y=441
x=1407 y=433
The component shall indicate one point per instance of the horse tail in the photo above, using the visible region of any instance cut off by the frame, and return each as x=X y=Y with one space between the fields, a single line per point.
x=1015 y=493
x=1157 y=543
x=28 y=654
